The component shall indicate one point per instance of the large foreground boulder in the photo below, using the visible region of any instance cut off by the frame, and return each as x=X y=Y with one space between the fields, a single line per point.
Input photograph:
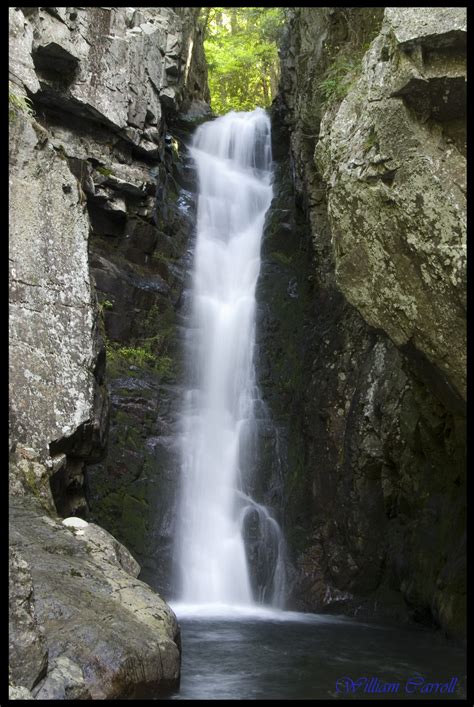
x=108 y=635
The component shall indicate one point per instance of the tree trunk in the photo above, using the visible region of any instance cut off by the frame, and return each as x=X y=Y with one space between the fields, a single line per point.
x=233 y=20
x=266 y=96
x=274 y=78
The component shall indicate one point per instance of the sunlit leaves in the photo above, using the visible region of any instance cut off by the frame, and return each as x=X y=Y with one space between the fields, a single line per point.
x=241 y=51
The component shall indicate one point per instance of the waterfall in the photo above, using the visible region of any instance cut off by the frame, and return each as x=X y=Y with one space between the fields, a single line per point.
x=234 y=164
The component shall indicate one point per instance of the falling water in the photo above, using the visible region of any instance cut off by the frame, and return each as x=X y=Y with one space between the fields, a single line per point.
x=233 y=158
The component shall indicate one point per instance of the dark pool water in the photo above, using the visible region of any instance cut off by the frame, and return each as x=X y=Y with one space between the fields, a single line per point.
x=270 y=655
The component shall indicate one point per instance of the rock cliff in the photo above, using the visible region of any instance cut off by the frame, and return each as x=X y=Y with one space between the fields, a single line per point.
x=92 y=92
x=372 y=104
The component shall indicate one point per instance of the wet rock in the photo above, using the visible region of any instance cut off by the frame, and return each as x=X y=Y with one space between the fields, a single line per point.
x=198 y=112
x=133 y=492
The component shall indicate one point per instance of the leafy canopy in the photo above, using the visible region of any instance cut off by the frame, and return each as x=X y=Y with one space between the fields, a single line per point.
x=241 y=45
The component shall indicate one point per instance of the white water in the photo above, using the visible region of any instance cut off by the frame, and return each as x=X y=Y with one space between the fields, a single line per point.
x=233 y=159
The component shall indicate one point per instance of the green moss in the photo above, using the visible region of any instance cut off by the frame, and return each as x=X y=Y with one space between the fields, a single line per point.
x=280 y=258
x=105 y=171
x=371 y=141
x=132 y=439
x=161 y=259
x=109 y=510
x=38 y=486
x=134 y=522
x=31 y=481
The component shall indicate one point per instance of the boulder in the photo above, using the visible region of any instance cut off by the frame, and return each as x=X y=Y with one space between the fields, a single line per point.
x=18 y=692
x=65 y=681
x=108 y=635
x=27 y=645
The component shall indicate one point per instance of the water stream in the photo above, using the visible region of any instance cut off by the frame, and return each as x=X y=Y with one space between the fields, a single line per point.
x=234 y=165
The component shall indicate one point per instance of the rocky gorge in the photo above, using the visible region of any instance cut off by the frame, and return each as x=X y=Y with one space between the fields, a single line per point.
x=360 y=328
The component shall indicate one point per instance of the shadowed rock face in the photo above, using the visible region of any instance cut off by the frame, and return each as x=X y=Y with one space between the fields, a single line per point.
x=139 y=266
x=367 y=388
x=94 y=201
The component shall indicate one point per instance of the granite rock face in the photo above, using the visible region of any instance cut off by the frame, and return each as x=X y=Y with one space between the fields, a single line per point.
x=393 y=158
x=56 y=391
x=373 y=490
x=118 y=66
x=16 y=692
x=95 y=200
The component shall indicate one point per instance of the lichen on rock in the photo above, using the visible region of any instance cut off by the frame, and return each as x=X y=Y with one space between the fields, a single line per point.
x=396 y=186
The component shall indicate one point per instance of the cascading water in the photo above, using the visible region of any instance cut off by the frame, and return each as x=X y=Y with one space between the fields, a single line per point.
x=233 y=158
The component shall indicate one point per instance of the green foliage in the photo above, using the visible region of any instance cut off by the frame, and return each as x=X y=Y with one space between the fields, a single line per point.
x=241 y=51
x=339 y=77
x=346 y=61
x=145 y=356
x=371 y=140
x=105 y=171
x=135 y=356
x=18 y=104
x=106 y=304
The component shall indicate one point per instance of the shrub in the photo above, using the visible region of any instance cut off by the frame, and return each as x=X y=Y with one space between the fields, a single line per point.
x=18 y=104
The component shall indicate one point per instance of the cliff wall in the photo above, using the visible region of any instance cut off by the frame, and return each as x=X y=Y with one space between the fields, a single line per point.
x=92 y=91
x=369 y=388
